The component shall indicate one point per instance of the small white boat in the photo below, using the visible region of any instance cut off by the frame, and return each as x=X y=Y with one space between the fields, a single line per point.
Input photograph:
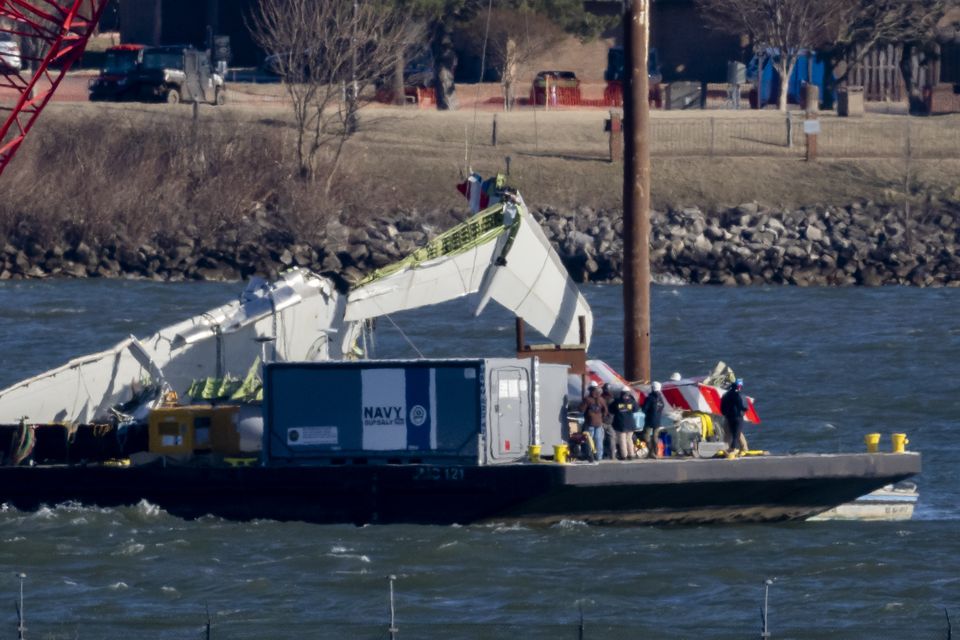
x=894 y=502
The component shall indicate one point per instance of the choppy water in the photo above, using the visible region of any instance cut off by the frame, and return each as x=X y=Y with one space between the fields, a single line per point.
x=826 y=366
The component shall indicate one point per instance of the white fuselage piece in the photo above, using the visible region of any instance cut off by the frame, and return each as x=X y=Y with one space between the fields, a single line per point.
x=302 y=317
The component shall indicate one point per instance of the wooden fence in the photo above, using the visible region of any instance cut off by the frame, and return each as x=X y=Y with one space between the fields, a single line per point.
x=879 y=74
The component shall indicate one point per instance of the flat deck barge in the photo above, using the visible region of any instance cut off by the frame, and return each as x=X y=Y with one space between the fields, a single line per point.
x=681 y=491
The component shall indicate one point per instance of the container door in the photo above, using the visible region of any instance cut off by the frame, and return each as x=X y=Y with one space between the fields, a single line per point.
x=510 y=426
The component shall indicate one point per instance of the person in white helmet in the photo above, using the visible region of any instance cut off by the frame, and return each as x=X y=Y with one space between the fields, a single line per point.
x=653 y=406
x=622 y=409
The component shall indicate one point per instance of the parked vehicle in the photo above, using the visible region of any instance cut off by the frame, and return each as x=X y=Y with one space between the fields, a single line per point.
x=564 y=88
x=616 y=72
x=174 y=74
x=417 y=78
x=10 y=59
x=419 y=71
x=118 y=77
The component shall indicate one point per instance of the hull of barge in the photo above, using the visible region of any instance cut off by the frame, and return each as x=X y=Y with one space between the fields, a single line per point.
x=682 y=491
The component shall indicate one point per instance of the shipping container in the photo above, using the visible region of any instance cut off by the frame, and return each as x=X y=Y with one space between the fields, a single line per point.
x=482 y=411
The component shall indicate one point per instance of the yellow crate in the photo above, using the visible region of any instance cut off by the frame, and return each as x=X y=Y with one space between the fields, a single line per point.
x=194 y=428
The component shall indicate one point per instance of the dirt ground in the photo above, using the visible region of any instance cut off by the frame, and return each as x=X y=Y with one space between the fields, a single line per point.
x=414 y=157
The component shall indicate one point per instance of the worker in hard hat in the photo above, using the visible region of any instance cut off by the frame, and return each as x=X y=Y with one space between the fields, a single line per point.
x=733 y=405
x=653 y=406
x=622 y=409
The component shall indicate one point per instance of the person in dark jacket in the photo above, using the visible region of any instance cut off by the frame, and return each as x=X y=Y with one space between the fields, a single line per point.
x=622 y=409
x=653 y=406
x=733 y=405
x=594 y=412
x=609 y=434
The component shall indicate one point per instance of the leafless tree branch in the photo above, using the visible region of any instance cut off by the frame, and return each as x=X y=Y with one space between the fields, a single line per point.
x=328 y=54
x=788 y=27
x=515 y=38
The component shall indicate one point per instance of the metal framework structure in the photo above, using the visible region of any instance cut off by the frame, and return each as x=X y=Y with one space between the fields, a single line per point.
x=53 y=35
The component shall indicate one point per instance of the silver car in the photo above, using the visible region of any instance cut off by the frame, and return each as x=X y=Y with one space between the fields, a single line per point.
x=9 y=54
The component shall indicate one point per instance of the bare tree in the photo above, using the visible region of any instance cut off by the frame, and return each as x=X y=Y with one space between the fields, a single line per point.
x=863 y=25
x=515 y=38
x=328 y=54
x=785 y=26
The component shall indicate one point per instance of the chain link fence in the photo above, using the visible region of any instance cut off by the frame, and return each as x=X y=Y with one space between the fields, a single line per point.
x=900 y=137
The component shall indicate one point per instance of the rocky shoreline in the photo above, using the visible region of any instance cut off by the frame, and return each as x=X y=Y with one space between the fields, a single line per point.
x=861 y=244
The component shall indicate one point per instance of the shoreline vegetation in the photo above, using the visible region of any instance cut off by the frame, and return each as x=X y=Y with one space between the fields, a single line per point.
x=143 y=191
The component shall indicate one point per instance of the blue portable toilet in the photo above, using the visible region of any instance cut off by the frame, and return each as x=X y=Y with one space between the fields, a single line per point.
x=799 y=76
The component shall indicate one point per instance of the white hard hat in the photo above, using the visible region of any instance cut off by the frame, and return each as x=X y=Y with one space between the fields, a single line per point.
x=593 y=383
x=656 y=386
x=675 y=376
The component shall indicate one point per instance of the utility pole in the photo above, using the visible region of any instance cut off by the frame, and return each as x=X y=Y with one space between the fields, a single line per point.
x=636 y=193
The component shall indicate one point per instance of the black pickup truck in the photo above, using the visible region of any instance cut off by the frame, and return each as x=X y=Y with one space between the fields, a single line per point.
x=175 y=74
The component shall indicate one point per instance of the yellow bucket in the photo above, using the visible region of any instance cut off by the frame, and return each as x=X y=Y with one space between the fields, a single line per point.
x=533 y=452
x=560 y=453
x=873 y=442
x=900 y=442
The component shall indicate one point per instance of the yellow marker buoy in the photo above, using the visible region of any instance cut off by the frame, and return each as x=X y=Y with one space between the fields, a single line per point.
x=900 y=442
x=560 y=453
x=873 y=442
x=533 y=452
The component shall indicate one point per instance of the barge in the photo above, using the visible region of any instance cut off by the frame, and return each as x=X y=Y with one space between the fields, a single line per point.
x=683 y=491
x=313 y=434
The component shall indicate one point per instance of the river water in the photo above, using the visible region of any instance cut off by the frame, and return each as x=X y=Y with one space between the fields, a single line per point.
x=826 y=366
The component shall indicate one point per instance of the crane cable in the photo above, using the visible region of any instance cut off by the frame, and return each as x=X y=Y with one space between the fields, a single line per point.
x=483 y=60
x=536 y=131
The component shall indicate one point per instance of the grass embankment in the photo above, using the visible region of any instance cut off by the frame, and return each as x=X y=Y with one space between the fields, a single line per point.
x=95 y=170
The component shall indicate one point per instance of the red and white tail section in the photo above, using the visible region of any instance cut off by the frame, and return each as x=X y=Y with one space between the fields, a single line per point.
x=686 y=394
x=51 y=36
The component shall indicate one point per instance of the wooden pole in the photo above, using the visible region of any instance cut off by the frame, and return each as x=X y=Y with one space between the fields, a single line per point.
x=811 y=147
x=636 y=193
x=616 y=136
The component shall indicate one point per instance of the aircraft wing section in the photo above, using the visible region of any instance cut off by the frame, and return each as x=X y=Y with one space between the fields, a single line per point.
x=299 y=315
x=532 y=282
x=449 y=267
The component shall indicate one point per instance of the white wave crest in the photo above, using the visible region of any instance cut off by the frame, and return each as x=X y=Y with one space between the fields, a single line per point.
x=45 y=513
x=351 y=556
x=148 y=510
x=130 y=549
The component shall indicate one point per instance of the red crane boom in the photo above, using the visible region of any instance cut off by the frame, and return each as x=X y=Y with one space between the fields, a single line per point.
x=59 y=31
